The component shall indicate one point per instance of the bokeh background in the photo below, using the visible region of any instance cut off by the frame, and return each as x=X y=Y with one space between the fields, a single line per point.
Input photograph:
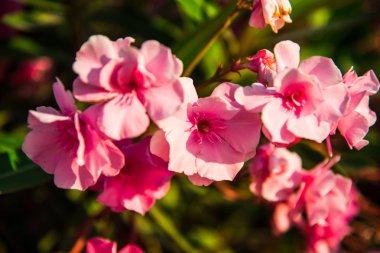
x=39 y=39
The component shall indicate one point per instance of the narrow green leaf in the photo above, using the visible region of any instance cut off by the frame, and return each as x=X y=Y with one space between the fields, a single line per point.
x=193 y=43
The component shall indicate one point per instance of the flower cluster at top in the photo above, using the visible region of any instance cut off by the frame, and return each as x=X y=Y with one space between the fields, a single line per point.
x=207 y=139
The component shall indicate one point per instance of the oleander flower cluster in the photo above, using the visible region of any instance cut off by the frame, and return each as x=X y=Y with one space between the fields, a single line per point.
x=317 y=201
x=207 y=139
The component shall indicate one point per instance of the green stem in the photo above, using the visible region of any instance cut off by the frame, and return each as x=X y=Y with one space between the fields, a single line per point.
x=219 y=32
x=164 y=222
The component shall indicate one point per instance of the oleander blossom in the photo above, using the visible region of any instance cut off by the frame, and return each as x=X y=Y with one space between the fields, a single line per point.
x=128 y=83
x=64 y=143
x=101 y=245
x=358 y=117
x=275 y=172
x=205 y=137
x=305 y=101
x=329 y=203
x=270 y=12
x=144 y=178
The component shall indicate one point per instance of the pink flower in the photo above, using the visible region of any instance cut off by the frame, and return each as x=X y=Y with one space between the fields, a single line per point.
x=128 y=82
x=358 y=117
x=210 y=138
x=322 y=209
x=144 y=178
x=264 y=64
x=100 y=245
x=330 y=204
x=270 y=12
x=276 y=172
x=65 y=144
x=305 y=101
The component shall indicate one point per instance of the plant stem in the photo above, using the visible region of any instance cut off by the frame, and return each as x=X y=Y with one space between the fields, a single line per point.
x=220 y=31
x=164 y=222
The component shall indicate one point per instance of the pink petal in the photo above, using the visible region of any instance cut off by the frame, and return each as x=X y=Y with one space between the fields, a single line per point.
x=159 y=146
x=323 y=68
x=162 y=101
x=354 y=127
x=274 y=117
x=93 y=54
x=257 y=18
x=335 y=103
x=102 y=156
x=226 y=90
x=243 y=122
x=287 y=54
x=308 y=127
x=196 y=179
x=130 y=248
x=215 y=106
x=160 y=61
x=89 y=93
x=120 y=118
x=64 y=99
x=181 y=160
x=100 y=245
x=254 y=97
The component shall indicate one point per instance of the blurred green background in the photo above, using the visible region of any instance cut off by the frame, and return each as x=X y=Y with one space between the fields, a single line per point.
x=39 y=39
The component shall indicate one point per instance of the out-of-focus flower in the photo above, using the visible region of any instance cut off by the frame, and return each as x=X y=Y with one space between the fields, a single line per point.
x=144 y=178
x=322 y=209
x=358 y=117
x=276 y=172
x=101 y=245
x=33 y=71
x=210 y=138
x=270 y=12
x=65 y=144
x=130 y=82
x=305 y=101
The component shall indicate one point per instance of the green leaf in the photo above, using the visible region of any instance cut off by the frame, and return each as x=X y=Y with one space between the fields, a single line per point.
x=192 y=8
x=27 y=176
x=193 y=43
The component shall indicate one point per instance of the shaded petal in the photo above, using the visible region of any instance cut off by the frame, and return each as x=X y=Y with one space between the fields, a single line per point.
x=159 y=146
x=89 y=93
x=64 y=99
x=120 y=118
x=160 y=61
x=254 y=97
x=247 y=123
x=196 y=179
x=162 y=101
x=354 y=127
x=93 y=54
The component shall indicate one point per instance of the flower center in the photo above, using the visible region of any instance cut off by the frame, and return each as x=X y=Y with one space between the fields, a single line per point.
x=206 y=128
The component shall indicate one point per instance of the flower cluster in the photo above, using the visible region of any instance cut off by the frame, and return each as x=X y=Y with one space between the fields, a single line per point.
x=208 y=139
x=318 y=202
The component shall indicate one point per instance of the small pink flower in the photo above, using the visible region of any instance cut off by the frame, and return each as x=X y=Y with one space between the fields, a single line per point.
x=270 y=12
x=210 y=138
x=144 y=178
x=276 y=172
x=358 y=117
x=305 y=101
x=100 y=245
x=128 y=82
x=65 y=144
x=264 y=64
